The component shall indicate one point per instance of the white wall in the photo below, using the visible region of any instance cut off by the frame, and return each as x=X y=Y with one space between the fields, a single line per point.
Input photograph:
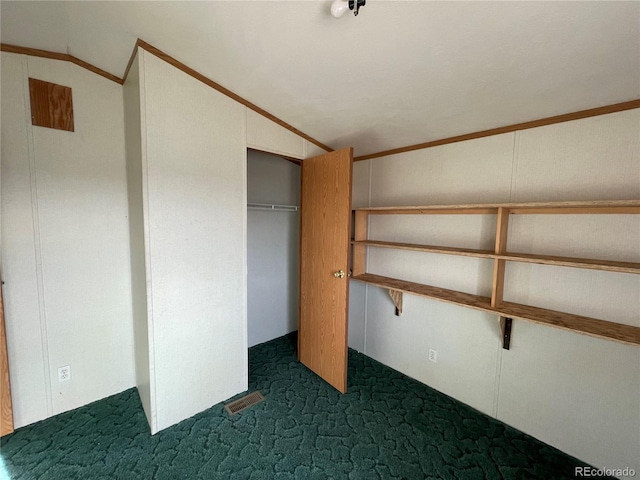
x=135 y=125
x=272 y=248
x=312 y=150
x=267 y=136
x=577 y=393
x=65 y=243
x=194 y=172
x=73 y=274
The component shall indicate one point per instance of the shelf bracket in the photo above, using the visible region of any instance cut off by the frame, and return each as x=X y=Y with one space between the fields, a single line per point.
x=505 y=323
x=396 y=296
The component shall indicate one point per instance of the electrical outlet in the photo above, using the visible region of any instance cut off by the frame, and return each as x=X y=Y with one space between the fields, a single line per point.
x=433 y=355
x=64 y=373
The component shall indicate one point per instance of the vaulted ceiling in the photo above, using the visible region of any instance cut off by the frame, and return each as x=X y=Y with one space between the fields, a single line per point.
x=399 y=73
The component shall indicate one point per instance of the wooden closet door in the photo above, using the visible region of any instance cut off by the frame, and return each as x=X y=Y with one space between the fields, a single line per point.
x=325 y=227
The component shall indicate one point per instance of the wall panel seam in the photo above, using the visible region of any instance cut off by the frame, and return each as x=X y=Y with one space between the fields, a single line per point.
x=369 y=188
x=499 y=362
x=496 y=383
x=366 y=318
x=33 y=186
x=498 y=373
x=514 y=163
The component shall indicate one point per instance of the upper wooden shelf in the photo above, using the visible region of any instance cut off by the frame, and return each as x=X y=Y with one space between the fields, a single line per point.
x=596 y=206
x=588 y=263
x=466 y=252
x=576 y=323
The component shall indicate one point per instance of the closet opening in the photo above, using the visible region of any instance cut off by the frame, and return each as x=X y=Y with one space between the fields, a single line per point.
x=273 y=239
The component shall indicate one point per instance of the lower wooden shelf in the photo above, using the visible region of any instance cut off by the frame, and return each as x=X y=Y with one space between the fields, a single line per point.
x=450 y=296
x=575 y=323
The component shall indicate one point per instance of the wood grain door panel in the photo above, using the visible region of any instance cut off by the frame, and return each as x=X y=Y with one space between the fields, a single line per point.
x=325 y=226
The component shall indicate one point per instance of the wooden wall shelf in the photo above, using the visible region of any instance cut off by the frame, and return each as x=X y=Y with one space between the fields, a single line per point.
x=466 y=252
x=608 y=265
x=588 y=207
x=504 y=310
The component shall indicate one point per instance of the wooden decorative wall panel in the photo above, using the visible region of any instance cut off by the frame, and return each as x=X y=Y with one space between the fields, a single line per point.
x=51 y=105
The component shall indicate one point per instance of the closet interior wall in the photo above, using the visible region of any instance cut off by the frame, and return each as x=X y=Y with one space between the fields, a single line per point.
x=272 y=247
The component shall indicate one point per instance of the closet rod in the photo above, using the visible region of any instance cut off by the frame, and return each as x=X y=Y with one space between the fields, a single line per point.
x=273 y=207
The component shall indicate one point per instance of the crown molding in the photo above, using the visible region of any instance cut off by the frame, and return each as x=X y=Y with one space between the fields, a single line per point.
x=567 y=117
x=35 y=52
x=216 y=86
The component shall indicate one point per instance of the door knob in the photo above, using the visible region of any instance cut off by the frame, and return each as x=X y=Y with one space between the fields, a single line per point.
x=339 y=274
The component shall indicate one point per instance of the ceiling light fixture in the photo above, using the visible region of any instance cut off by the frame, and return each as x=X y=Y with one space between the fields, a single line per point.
x=340 y=7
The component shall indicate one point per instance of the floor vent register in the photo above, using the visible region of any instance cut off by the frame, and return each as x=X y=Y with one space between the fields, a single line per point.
x=243 y=403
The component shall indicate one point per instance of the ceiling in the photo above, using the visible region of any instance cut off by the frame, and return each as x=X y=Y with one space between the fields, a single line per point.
x=402 y=72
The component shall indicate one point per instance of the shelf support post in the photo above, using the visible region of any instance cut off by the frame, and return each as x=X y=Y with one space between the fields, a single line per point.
x=502 y=228
x=359 y=251
x=396 y=296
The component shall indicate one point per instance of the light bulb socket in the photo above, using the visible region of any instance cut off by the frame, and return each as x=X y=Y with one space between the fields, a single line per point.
x=356 y=4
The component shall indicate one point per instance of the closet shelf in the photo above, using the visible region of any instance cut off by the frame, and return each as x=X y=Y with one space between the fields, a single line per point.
x=585 y=325
x=588 y=263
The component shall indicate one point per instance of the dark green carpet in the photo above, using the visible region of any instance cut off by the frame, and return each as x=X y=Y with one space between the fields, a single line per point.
x=387 y=426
